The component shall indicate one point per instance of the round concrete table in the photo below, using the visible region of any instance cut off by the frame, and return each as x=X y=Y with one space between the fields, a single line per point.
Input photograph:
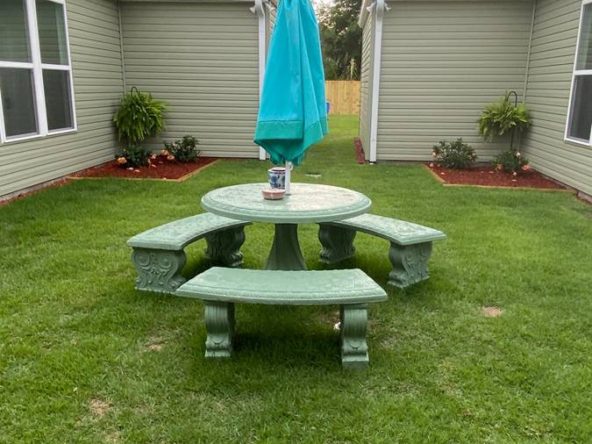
x=307 y=203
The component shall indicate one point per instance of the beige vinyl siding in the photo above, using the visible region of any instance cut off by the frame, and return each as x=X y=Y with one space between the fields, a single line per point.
x=442 y=62
x=366 y=81
x=202 y=59
x=96 y=65
x=549 y=81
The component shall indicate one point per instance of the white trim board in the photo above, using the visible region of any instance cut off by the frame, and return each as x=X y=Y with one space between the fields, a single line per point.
x=377 y=8
x=259 y=9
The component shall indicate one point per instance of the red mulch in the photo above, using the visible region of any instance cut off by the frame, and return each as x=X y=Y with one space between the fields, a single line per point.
x=161 y=169
x=360 y=156
x=489 y=176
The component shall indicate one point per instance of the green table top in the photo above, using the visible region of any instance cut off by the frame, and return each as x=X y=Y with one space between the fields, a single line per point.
x=308 y=203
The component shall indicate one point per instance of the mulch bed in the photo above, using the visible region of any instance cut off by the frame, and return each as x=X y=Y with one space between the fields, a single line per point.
x=160 y=169
x=490 y=177
x=163 y=170
x=360 y=156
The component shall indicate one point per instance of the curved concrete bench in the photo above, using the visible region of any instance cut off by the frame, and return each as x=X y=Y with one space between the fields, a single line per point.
x=158 y=253
x=410 y=250
x=221 y=288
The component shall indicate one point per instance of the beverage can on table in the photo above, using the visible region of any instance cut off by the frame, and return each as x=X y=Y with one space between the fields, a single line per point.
x=277 y=177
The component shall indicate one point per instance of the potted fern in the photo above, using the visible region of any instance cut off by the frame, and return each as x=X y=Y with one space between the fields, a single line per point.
x=139 y=117
x=506 y=117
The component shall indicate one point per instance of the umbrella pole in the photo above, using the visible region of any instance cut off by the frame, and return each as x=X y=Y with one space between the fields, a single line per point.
x=288 y=177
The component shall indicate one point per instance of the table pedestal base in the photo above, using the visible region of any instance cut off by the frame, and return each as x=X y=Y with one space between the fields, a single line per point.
x=285 y=252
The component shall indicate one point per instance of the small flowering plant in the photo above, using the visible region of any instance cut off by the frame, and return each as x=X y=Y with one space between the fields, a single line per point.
x=511 y=161
x=138 y=157
x=455 y=155
x=133 y=157
x=184 y=150
x=166 y=154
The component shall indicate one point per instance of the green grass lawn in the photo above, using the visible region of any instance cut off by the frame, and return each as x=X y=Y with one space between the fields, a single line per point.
x=86 y=358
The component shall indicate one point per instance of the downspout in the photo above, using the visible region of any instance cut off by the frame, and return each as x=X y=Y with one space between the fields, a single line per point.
x=121 y=50
x=260 y=11
x=532 y=20
x=379 y=7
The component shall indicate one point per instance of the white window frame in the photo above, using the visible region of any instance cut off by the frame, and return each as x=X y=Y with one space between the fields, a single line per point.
x=37 y=67
x=577 y=72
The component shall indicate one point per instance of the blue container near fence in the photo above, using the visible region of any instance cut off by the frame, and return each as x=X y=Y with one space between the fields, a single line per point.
x=328 y=107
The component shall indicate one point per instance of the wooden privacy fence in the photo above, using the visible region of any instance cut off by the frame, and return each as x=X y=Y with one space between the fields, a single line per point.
x=344 y=96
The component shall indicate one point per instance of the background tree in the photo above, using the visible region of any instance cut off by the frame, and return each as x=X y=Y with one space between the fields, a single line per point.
x=341 y=38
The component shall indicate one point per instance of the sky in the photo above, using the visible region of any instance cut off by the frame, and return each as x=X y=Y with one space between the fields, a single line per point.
x=318 y=3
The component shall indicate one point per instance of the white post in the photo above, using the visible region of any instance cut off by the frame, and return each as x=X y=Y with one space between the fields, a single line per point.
x=288 y=177
x=259 y=9
x=379 y=6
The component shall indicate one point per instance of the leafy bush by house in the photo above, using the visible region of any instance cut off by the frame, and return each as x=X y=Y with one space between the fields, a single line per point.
x=184 y=150
x=511 y=161
x=133 y=156
x=139 y=117
x=457 y=155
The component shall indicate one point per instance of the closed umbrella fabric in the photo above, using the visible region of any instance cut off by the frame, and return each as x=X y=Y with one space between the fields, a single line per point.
x=292 y=112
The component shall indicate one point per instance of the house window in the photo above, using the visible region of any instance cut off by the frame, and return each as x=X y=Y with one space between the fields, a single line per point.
x=579 y=124
x=36 y=94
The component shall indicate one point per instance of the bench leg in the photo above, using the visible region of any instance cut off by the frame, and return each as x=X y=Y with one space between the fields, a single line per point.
x=410 y=264
x=158 y=270
x=354 y=349
x=337 y=242
x=224 y=246
x=219 y=317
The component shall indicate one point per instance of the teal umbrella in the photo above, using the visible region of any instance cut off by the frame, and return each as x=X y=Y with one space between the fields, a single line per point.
x=292 y=111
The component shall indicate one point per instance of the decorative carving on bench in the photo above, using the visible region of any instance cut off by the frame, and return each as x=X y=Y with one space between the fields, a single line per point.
x=219 y=318
x=158 y=270
x=410 y=264
x=224 y=246
x=337 y=243
x=354 y=349
x=158 y=253
x=410 y=244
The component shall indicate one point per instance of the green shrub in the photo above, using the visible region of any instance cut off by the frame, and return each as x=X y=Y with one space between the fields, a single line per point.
x=139 y=116
x=184 y=150
x=457 y=155
x=511 y=161
x=133 y=156
x=503 y=117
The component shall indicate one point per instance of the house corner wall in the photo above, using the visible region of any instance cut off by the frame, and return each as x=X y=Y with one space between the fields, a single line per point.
x=548 y=84
x=202 y=59
x=96 y=66
x=442 y=63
